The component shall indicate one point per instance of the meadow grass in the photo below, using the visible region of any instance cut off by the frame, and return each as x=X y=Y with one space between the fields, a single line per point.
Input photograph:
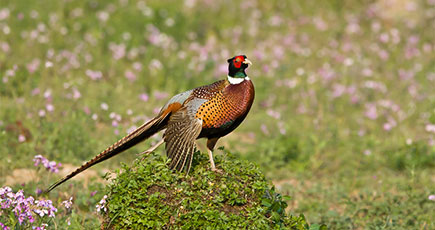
x=343 y=120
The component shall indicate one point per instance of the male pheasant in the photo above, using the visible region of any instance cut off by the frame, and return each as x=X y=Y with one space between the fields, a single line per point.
x=210 y=111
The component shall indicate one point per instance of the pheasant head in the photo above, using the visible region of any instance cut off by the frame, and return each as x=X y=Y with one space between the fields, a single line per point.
x=237 y=66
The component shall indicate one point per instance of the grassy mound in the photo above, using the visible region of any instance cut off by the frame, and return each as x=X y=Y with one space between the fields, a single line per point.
x=149 y=195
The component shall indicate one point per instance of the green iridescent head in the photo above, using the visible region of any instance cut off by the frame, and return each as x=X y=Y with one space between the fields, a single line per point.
x=237 y=66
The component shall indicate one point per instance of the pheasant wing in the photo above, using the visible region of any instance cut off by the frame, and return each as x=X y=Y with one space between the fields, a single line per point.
x=182 y=130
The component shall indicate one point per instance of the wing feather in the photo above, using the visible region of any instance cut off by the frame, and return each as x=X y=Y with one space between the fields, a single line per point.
x=189 y=162
x=182 y=130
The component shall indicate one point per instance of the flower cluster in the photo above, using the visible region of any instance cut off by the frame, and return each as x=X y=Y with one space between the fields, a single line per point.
x=22 y=208
x=67 y=203
x=52 y=166
x=17 y=203
x=4 y=227
x=45 y=207
x=102 y=204
x=42 y=227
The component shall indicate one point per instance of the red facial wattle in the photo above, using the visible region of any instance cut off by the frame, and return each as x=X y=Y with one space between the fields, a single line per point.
x=238 y=61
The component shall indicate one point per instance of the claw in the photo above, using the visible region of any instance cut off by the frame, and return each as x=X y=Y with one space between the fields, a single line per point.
x=216 y=170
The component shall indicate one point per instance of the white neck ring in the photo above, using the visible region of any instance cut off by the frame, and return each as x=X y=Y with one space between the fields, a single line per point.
x=236 y=80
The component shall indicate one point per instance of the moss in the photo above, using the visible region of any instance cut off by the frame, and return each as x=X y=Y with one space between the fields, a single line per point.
x=150 y=195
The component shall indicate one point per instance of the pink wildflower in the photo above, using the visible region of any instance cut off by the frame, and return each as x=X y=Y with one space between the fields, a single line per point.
x=144 y=97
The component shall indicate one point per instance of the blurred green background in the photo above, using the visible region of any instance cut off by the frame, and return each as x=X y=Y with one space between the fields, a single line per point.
x=344 y=115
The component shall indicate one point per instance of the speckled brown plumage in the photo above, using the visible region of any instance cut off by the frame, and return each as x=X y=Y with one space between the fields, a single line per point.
x=225 y=105
x=210 y=111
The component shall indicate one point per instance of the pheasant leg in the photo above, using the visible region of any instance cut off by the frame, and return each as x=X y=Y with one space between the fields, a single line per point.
x=210 y=146
x=210 y=154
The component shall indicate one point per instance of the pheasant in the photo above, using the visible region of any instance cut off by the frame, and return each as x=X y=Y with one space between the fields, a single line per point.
x=210 y=111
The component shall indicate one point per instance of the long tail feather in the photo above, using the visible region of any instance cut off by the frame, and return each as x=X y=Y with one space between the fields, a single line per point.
x=140 y=134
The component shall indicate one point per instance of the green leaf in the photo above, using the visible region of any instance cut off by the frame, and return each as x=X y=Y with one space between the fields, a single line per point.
x=318 y=227
x=149 y=195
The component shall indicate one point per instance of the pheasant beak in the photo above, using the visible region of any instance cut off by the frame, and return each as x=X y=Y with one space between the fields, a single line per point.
x=246 y=61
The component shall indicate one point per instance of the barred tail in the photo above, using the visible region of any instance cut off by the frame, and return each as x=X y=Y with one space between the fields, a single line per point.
x=140 y=134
